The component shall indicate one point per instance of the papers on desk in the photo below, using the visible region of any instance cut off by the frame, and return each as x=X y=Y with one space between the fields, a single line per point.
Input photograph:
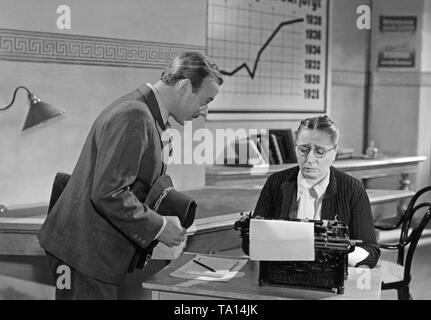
x=279 y=240
x=209 y=268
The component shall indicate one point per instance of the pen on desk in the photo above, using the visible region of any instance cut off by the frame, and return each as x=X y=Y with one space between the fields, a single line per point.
x=203 y=265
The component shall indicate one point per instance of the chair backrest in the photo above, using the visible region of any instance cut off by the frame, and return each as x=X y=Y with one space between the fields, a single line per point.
x=407 y=219
x=58 y=186
x=409 y=213
x=413 y=239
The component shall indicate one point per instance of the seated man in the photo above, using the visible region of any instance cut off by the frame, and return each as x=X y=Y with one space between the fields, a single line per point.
x=315 y=190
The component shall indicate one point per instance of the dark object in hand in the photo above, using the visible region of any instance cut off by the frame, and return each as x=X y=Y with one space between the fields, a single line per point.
x=327 y=272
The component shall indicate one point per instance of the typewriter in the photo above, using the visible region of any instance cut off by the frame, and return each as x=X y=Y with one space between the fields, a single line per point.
x=326 y=273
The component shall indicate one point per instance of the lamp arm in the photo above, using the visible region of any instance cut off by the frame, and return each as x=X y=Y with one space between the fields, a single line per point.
x=14 y=95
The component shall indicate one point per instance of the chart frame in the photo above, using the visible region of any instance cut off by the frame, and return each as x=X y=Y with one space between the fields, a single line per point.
x=277 y=114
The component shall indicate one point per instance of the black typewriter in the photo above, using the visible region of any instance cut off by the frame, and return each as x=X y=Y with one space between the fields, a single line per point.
x=327 y=272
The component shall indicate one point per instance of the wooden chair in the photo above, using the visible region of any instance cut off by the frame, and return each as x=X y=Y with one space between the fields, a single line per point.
x=58 y=186
x=397 y=275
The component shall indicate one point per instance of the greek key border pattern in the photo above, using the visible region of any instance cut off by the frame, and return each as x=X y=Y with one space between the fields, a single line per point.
x=402 y=79
x=381 y=79
x=31 y=46
x=347 y=78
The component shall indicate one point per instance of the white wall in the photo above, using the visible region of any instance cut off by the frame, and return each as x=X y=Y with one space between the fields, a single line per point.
x=30 y=160
x=400 y=109
x=347 y=72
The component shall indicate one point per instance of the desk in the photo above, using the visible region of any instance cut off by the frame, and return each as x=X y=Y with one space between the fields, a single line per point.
x=363 y=169
x=245 y=286
x=218 y=209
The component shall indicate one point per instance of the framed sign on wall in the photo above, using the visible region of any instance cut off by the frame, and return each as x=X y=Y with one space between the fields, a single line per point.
x=273 y=54
x=397 y=48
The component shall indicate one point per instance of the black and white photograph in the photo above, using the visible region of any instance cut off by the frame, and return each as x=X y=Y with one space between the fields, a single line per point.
x=248 y=151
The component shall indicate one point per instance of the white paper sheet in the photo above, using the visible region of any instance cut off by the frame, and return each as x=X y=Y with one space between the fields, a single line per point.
x=279 y=240
x=225 y=268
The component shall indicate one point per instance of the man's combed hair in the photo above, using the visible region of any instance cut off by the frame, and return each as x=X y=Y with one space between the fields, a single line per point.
x=194 y=66
x=322 y=123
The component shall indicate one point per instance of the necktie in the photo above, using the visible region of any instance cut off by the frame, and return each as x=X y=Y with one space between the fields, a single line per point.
x=314 y=197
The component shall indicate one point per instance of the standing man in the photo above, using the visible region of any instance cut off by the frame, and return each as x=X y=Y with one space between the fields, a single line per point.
x=100 y=217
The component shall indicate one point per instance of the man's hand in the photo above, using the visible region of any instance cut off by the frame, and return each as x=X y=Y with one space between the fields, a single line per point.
x=174 y=233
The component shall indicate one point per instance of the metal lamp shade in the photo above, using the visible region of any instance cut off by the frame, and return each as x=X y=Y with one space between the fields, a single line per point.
x=40 y=112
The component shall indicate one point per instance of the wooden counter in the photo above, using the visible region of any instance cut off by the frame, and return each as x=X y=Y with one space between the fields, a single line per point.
x=361 y=168
x=218 y=209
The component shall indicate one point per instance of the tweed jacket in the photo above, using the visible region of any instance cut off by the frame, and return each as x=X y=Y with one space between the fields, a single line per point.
x=100 y=218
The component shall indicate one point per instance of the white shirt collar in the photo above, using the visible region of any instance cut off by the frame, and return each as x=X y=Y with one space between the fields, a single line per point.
x=163 y=111
x=319 y=187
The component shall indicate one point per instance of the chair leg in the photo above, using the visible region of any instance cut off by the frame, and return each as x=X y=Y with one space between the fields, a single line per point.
x=404 y=293
x=409 y=296
x=400 y=294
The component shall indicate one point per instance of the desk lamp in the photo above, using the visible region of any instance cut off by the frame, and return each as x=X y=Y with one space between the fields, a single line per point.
x=39 y=112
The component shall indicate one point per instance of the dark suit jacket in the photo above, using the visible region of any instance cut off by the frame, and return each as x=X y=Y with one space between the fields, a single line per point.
x=345 y=198
x=100 y=217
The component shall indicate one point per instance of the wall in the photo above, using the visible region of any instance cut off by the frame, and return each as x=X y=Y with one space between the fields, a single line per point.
x=81 y=79
x=348 y=48
x=400 y=109
x=349 y=60
x=424 y=131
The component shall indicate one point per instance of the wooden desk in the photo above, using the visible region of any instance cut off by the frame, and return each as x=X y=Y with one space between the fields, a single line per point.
x=245 y=286
x=364 y=169
x=218 y=209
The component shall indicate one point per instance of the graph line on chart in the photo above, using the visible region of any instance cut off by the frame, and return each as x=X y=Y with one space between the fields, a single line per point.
x=267 y=42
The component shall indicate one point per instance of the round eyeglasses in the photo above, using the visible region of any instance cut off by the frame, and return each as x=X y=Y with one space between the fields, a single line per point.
x=319 y=152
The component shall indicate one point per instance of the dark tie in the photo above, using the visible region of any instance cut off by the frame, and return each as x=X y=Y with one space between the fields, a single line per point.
x=315 y=196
